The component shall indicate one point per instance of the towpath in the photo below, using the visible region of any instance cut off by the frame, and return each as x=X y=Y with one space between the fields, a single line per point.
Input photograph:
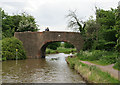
x=107 y=68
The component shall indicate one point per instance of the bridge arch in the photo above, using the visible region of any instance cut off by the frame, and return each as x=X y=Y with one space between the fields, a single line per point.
x=35 y=43
x=42 y=49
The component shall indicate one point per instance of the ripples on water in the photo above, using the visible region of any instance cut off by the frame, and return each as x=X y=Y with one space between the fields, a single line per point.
x=52 y=69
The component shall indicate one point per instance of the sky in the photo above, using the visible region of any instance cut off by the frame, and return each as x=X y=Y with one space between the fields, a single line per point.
x=52 y=13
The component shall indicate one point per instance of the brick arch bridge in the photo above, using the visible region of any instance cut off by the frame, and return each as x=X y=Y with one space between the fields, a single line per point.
x=35 y=43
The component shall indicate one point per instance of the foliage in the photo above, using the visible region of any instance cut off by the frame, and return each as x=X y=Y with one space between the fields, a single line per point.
x=54 y=45
x=117 y=28
x=68 y=45
x=117 y=65
x=50 y=51
x=103 y=45
x=75 y=23
x=92 y=28
x=90 y=72
x=60 y=50
x=106 y=18
x=99 y=56
x=27 y=23
x=14 y=23
x=66 y=50
x=9 y=46
x=88 y=44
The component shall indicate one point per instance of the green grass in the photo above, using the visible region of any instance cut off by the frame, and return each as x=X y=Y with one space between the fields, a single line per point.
x=50 y=51
x=99 y=57
x=60 y=50
x=98 y=62
x=91 y=73
x=66 y=50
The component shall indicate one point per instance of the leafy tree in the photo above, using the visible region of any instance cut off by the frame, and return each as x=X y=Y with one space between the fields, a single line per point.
x=17 y=23
x=54 y=45
x=9 y=46
x=0 y=24
x=117 y=28
x=92 y=28
x=68 y=45
x=27 y=23
x=106 y=34
x=91 y=33
x=106 y=18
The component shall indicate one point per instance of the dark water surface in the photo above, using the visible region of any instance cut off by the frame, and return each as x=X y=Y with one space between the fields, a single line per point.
x=52 y=69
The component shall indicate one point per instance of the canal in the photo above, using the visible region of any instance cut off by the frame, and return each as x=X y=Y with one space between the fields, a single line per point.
x=52 y=69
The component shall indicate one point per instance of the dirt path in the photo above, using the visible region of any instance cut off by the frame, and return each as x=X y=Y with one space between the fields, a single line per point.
x=108 y=68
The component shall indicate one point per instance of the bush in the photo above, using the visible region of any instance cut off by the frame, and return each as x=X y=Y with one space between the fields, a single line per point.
x=94 y=55
x=117 y=66
x=117 y=47
x=68 y=45
x=88 y=44
x=104 y=45
x=54 y=45
x=106 y=57
x=9 y=46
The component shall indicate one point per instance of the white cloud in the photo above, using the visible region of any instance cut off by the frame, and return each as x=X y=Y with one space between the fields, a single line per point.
x=52 y=13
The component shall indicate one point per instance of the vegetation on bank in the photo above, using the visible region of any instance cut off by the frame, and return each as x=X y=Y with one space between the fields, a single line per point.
x=17 y=23
x=9 y=46
x=91 y=73
x=101 y=36
x=61 y=50
x=100 y=57
x=11 y=24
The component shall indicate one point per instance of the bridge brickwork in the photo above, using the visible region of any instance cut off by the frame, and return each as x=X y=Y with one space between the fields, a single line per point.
x=35 y=43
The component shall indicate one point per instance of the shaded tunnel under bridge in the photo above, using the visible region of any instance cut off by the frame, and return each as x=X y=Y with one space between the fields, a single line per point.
x=35 y=43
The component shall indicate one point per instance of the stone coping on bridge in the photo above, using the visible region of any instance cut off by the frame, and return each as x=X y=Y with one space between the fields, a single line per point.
x=48 y=31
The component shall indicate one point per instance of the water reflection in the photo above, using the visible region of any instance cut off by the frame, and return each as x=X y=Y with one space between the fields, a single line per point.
x=52 y=69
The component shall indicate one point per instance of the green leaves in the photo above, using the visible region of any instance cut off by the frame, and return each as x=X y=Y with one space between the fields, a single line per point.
x=27 y=23
x=9 y=46
x=54 y=45
x=17 y=23
x=68 y=45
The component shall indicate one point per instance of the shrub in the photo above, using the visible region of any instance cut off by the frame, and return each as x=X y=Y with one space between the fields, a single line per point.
x=54 y=45
x=106 y=57
x=88 y=44
x=68 y=45
x=9 y=46
x=117 y=64
x=117 y=47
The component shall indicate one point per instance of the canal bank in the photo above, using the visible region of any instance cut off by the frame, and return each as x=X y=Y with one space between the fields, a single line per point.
x=90 y=73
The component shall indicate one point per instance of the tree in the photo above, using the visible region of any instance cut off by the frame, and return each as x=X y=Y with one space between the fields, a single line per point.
x=92 y=28
x=27 y=23
x=54 y=45
x=117 y=28
x=75 y=23
x=106 y=33
x=91 y=33
x=68 y=45
x=106 y=18
x=17 y=23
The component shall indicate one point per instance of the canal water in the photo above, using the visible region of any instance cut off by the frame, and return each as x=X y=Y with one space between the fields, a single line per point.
x=52 y=69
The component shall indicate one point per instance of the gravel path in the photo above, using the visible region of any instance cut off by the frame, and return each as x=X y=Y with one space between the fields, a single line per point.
x=108 y=68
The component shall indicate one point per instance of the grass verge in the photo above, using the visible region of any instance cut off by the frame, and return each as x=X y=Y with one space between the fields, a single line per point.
x=60 y=50
x=91 y=73
x=101 y=57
